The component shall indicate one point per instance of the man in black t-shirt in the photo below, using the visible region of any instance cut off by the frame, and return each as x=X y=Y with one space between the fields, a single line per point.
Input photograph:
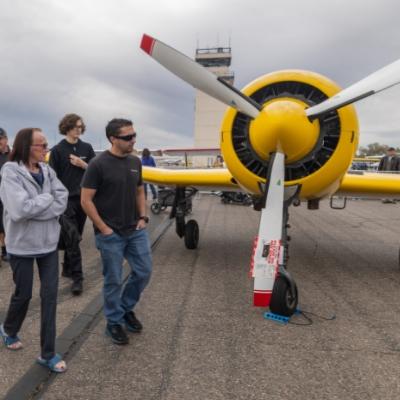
x=69 y=158
x=113 y=198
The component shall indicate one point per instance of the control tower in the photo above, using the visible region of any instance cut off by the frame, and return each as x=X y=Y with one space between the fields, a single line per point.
x=208 y=111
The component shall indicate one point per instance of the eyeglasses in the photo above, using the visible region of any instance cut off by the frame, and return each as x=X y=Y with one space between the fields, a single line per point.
x=44 y=146
x=126 y=138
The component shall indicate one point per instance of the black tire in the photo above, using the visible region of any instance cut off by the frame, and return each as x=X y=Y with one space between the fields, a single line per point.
x=155 y=208
x=282 y=301
x=191 y=234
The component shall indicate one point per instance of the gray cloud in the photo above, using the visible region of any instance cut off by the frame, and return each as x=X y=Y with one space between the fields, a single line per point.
x=83 y=56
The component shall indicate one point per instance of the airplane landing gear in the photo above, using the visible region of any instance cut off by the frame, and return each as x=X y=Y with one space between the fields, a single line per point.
x=284 y=297
x=273 y=285
x=191 y=234
x=181 y=207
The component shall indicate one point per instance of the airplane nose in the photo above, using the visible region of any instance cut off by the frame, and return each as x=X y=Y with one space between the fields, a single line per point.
x=283 y=125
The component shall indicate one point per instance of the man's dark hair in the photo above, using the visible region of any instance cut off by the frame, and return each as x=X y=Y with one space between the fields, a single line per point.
x=391 y=149
x=69 y=122
x=146 y=152
x=114 y=126
x=22 y=145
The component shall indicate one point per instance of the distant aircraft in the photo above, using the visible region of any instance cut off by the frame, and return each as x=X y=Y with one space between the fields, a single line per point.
x=288 y=136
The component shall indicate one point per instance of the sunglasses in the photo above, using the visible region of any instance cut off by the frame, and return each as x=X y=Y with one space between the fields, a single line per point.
x=126 y=138
x=44 y=146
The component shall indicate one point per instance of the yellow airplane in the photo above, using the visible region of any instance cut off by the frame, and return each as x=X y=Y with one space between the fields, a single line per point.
x=288 y=136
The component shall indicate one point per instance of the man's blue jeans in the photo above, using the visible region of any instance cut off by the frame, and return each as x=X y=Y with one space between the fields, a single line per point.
x=135 y=248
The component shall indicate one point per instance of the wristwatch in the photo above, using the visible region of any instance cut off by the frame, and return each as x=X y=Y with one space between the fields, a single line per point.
x=145 y=218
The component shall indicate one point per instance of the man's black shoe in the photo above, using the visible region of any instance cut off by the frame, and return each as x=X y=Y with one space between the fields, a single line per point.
x=132 y=323
x=117 y=334
x=76 y=288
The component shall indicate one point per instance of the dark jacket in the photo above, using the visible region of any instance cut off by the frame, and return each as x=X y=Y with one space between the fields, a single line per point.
x=68 y=174
x=392 y=165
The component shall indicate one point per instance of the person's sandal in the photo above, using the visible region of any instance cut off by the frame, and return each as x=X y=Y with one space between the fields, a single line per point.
x=52 y=364
x=11 y=343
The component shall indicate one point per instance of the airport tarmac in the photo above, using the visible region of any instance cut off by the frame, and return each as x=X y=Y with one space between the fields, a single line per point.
x=203 y=339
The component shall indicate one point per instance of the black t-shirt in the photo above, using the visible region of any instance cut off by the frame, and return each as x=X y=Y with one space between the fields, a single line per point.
x=70 y=175
x=116 y=180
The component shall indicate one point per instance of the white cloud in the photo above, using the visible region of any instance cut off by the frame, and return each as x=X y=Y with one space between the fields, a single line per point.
x=84 y=55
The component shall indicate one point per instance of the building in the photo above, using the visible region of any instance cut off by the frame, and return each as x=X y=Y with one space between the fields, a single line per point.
x=208 y=111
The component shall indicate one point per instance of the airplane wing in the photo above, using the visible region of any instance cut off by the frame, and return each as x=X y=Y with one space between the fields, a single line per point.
x=370 y=185
x=192 y=152
x=210 y=179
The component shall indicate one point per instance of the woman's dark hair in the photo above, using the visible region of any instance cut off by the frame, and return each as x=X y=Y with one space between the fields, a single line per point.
x=22 y=145
x=114 y=126
x=69 y=122
x=146 y=152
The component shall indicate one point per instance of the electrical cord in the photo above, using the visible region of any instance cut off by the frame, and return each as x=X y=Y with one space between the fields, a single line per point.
x=309 y=320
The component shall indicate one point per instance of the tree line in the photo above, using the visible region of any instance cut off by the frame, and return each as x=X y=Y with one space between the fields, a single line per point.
x=374 y=149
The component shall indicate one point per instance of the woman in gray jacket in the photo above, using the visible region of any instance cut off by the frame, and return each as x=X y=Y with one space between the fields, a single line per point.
x=33 y=199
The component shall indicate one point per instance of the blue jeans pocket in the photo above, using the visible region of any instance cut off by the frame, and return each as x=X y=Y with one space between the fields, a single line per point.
x=103 y=239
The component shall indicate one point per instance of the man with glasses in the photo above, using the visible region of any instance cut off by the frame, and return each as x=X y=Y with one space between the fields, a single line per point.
x=70 y=158
x=113 y=198
x=4 y=154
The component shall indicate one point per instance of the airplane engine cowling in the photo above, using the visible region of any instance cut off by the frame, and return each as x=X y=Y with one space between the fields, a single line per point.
x=318 y=153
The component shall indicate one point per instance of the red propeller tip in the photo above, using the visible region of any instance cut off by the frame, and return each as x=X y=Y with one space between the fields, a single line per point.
x=147 y=44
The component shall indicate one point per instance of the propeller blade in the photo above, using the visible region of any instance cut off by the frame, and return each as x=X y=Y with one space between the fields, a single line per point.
x=197 y=76
x=380 y=80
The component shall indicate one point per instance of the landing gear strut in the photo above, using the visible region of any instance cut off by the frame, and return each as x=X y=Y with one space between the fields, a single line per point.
x=273 y=284
x=181 y=207
x=284 y=296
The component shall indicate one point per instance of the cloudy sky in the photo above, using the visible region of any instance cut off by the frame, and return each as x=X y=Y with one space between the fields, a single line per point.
x=83 y=56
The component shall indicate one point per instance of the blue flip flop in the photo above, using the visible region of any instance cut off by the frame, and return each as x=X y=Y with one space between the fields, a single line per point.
x=51 y=364
x=8 y=340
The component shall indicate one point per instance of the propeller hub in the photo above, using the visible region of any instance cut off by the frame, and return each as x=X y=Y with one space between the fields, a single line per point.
x=283 y=125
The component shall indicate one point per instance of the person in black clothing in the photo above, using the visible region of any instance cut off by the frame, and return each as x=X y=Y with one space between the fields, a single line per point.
x=70 y=158
x=113 y=198
x=390 y=164
x=4 y=153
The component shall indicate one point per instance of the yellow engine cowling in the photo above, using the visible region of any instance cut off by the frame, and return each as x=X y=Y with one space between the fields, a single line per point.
x=318 y=153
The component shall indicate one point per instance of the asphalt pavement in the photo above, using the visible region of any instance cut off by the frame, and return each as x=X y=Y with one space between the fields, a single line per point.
x=202 y=337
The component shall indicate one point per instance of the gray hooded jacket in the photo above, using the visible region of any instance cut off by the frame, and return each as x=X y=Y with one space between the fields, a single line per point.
x=31 y=212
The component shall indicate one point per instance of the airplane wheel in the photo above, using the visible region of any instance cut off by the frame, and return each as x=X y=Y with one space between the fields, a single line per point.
x=296 y=202
x=282 y=301
x=191 y=234
x=155 y=208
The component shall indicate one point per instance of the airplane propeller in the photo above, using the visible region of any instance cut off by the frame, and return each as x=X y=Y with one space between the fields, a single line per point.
x=380 y=80
x=197 y=76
